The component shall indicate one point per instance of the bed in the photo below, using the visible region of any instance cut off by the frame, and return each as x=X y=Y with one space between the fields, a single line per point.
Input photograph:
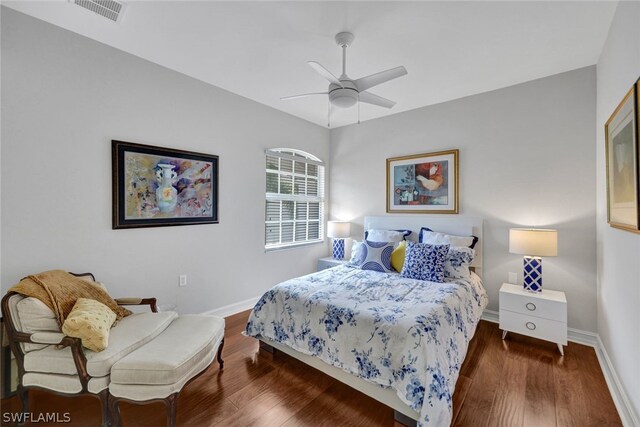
x=401 y=341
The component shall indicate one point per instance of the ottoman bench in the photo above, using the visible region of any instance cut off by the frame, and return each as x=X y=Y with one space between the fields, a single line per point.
x=158 y=370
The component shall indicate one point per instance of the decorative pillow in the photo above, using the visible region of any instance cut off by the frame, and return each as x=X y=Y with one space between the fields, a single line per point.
x=357 y=254
x=394 y=236
x=397 y=256
x=458 y=261
x=425 y=262
x=91 y=321
x=435 y=238
x=35 y=316
x=377 y=256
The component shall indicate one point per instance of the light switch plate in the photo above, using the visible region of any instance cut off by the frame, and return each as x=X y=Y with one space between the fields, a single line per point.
x=183 y=280
x=513 y=278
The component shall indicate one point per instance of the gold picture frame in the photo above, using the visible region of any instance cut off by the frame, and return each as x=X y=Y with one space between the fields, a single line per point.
x=423 y=183
x=622 y=160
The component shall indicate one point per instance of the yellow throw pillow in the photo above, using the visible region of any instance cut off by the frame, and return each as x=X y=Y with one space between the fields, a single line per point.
x=397 y=256
x=91 y=321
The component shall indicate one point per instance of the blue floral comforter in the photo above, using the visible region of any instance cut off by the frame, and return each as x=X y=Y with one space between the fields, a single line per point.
x=407 y=334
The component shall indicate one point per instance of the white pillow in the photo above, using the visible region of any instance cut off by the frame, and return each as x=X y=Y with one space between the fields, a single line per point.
x=357 y=253
x=437 y=238
x=394 y=236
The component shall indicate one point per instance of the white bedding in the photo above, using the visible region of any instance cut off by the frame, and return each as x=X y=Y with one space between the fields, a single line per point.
x=406 y=334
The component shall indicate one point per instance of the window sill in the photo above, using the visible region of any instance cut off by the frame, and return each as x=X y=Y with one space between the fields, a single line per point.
x=292 y=246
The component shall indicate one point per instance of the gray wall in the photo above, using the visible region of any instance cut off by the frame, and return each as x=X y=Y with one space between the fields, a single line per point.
x=618 y=251
x=526 y=159
x=64 y=97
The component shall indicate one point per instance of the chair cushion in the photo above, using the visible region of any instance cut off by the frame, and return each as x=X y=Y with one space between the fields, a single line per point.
x=34 y=316
x=175 y=352
x=91 y=321
x=64 y=383
x=131 y=333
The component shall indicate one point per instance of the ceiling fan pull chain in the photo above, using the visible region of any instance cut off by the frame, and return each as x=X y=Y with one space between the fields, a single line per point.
x=358 y=108
x=329 y=115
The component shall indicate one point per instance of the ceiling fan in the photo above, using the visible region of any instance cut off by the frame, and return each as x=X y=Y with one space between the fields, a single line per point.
x=345 y=92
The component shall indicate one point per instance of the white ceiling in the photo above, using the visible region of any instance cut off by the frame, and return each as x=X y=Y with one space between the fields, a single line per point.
x=259 y=49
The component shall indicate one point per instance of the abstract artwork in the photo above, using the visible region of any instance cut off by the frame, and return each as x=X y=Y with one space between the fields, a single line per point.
x=621 y=139
x=154 y=186
x=423 y=183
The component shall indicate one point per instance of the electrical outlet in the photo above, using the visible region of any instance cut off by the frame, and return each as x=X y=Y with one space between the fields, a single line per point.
x=183 y=280
x=513 y=278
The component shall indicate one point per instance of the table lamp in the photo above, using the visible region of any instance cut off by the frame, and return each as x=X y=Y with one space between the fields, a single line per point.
x=533 y=243
x=338 y=230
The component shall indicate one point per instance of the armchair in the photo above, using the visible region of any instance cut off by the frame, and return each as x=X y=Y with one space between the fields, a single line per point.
x=49 y=360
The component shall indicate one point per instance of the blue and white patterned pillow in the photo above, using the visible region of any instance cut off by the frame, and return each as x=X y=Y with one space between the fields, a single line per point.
x=377 y=256
x=458 y=261
x=425 y=262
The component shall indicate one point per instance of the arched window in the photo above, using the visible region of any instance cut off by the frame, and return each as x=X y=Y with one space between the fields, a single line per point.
x=294 y=213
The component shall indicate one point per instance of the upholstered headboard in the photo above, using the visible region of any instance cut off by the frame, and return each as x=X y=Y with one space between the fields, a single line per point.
x=460 y=225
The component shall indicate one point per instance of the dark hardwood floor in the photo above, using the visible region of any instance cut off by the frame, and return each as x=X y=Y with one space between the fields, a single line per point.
x=516 y=382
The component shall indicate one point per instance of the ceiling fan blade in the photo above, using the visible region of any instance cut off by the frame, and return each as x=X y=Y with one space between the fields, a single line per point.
x=367 y=82
x=303 y=95
x=325 y=73
x=370 y=98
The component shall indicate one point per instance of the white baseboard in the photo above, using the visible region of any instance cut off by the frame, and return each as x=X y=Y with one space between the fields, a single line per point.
x=625 y=410
x=620 y=399
x=490 y=316
x=230 y=309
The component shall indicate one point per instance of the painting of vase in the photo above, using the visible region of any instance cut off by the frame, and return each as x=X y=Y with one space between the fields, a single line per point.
x=159 y=186
x=166 y=194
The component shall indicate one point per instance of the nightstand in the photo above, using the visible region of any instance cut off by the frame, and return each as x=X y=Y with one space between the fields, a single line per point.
x=540 y=315
x=328 y=262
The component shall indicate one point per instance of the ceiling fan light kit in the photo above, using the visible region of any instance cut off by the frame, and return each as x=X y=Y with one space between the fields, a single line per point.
x=344 y=92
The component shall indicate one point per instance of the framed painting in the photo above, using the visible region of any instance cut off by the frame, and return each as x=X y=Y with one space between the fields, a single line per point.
x=622 y=157
x=156 y=187
x=423 y=183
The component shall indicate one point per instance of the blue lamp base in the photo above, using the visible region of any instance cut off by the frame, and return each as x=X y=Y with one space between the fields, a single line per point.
x=338 y=248
x=533 y=274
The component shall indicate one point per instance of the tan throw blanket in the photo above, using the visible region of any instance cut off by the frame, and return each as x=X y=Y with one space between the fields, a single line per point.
x=60 y=290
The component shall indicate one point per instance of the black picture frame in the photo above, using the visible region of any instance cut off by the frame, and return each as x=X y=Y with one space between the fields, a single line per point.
x=136 y=182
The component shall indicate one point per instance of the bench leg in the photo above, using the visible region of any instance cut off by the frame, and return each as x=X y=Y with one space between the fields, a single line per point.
x=106 y=411
x=116 y=419
x=172 y=408
x=219 y=356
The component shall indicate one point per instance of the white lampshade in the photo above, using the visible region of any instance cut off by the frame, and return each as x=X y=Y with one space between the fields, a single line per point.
x=533 y=241
x=338 y=229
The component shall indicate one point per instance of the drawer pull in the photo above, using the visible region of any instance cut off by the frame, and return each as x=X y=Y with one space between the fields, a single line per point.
x=531 y=326
x=531 y=306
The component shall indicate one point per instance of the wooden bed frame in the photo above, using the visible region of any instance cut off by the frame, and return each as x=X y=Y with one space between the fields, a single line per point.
x=458 y=225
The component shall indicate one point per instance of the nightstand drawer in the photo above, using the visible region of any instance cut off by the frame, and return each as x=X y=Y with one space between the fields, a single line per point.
x=534 y=306
x=545 y=329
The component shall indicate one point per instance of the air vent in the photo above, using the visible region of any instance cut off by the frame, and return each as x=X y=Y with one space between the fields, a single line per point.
x=110 y=9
